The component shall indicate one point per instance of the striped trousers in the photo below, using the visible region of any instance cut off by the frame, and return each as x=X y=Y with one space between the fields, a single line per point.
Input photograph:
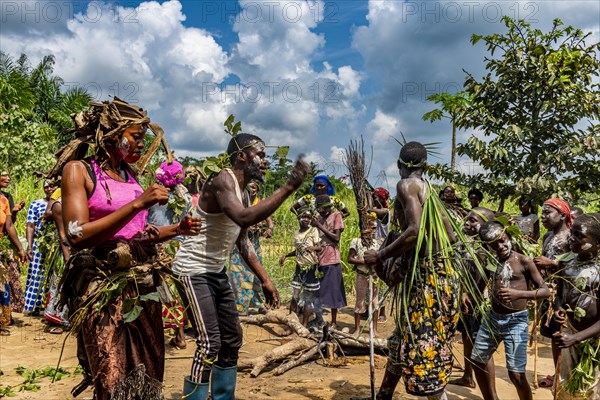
x=210 y=304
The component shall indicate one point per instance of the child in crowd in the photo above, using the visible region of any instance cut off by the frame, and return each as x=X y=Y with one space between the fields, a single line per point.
x=577 y=304
x=556 y=218
x=471 y=320
x=330 y=225
x=358 y=246
x=508 y=318
x=528 y=221
x=307 y=242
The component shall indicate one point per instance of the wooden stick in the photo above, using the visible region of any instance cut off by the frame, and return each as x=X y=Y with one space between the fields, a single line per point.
x=279 y=353
x=310 y=354
x=558 y=364
x=535 y=346
x=371 y=339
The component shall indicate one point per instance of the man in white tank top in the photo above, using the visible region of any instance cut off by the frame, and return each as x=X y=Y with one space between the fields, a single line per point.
x=200 y=263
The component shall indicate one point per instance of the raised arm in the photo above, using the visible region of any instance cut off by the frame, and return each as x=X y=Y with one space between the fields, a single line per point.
x=223 y=188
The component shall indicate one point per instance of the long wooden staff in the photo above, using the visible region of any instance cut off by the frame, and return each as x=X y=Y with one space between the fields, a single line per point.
x=371 y=338
x=535 y=345
x=558 y=361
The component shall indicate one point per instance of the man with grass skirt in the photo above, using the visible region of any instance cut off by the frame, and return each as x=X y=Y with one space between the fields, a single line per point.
x=427 y=288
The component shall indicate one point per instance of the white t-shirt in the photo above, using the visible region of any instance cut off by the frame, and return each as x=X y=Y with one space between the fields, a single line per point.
x=209 y=250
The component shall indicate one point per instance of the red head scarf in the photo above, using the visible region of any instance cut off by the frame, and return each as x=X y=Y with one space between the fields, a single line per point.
x=563 y=207
x=383 y=194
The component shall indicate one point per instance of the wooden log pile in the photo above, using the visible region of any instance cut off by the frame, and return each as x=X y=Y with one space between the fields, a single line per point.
x=327 y=345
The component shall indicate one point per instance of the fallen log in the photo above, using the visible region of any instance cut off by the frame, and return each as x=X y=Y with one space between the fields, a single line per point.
x=308 y=355
x=277 y=354
x=274 y=317
x=303 y=348
x=359 y=342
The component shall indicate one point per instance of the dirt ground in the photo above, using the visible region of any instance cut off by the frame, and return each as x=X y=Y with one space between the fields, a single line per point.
x=29 y=345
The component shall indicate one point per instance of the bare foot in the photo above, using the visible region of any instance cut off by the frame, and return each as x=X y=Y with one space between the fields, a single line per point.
x=470 y=383
x=177 y=344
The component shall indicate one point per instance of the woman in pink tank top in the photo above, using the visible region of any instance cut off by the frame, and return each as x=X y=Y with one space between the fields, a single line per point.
x=120 y=339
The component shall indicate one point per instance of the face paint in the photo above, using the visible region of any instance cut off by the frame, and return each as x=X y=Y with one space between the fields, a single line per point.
x=74 y=229
x=255 y=167
x=123 y=147
x=586 y=246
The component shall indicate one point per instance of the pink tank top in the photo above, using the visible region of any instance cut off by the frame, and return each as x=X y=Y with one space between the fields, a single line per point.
x=121 y=193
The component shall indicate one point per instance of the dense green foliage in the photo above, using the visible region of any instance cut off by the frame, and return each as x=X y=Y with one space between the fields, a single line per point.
x=539 y=107
x=34 y=111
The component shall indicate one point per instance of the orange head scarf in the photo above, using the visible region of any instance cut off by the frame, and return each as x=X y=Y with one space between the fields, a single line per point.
x=563 y=207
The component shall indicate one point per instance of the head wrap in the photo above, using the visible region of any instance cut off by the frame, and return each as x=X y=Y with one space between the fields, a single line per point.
x=324 y=179
x=563 y=207
x=170 y=175
x=102 y=123
x=383 y=194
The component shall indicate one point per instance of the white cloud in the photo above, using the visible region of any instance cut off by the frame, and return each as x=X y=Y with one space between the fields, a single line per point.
x=382 y=127
x=414 y=49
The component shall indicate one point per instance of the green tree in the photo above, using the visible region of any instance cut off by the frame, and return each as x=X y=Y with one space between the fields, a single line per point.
x=33 y=113
x=539 y=107
x=453 y=107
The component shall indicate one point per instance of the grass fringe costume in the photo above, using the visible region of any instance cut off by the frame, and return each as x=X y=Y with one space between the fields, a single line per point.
x=427 y=283
x=112 y=290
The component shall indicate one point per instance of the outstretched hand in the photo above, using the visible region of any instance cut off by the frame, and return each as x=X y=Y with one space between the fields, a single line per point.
x=299 y=172
x=271 y=294
x=541 y=262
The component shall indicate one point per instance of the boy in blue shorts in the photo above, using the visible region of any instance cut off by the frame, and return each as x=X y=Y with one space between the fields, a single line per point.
x=508 y=318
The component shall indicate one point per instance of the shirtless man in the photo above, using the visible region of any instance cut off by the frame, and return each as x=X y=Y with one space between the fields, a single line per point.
x=423 y=375
x=471 y=321
x=577 y=302
x=200 y=264
x=556 y=218
x=508 y=318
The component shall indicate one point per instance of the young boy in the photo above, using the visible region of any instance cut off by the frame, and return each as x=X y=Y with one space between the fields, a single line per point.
x=556 y=218
x=578 y=305
x=330 y=225
x=307 y=242
x=508 y=318
x=471 y=321
x=358 y=246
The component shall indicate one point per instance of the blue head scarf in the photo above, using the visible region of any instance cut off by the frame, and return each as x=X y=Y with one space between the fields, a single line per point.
x=325 y=179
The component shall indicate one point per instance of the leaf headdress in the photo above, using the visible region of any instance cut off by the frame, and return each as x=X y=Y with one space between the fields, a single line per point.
x=104 y=122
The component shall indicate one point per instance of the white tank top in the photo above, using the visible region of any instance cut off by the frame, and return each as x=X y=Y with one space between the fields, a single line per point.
x=209 y=250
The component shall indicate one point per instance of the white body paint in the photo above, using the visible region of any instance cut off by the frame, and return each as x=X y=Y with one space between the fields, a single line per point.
x=74 y=229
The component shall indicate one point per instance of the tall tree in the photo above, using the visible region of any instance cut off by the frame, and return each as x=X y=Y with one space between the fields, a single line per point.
x=453 y=107
x=540 y=107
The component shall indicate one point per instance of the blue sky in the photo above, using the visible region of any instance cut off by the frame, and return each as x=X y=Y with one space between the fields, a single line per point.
x=308 y=74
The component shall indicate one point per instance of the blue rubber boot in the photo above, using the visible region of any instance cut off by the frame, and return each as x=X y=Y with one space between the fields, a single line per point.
x=193 y=390
x=223 y=382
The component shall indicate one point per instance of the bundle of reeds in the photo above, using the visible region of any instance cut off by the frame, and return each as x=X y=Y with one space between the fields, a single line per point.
x=358 y=170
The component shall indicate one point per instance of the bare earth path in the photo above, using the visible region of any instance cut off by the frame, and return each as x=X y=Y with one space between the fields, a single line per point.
x=29 y=345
